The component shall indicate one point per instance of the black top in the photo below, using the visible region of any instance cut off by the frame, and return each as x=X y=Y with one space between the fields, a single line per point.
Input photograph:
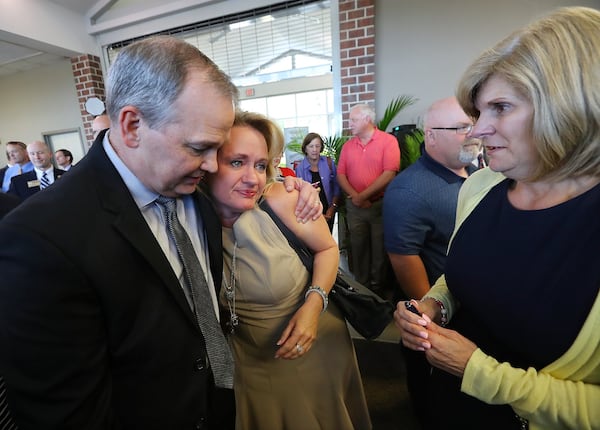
x=526 y=280
x=316 y=177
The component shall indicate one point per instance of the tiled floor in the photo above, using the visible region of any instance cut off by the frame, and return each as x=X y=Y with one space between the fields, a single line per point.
x=384 y=380
x=384 y=377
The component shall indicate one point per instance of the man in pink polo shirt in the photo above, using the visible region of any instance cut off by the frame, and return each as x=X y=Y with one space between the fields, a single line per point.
x=368 y=162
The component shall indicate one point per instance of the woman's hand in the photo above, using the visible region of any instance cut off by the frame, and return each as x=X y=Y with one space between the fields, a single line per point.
x=450 y=351
x=444 y=349
x=301 y=331
x=413 y=327
x=309 y=205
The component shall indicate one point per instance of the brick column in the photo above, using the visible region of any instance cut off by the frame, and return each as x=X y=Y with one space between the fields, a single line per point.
x=89 y=82
x=357 y=51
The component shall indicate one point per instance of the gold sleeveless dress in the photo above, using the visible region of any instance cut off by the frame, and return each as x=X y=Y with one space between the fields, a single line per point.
x=320 y=390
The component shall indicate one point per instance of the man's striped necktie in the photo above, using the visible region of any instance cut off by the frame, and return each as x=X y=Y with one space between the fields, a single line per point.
x=44 y=181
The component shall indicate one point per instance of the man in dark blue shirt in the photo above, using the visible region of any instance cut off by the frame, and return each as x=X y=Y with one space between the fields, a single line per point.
x=419 y=213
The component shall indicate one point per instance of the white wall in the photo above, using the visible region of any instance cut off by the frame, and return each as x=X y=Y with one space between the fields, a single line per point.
x=38 y=101
x=423 y=46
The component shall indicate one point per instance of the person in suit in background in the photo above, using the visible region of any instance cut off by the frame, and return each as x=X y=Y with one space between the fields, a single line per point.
x=97 y=330
x=42 y=176
x=64 y=159
x=5 y=168
x=101 y=122
x=3 y=172
x=7 y=203
x=18 y=159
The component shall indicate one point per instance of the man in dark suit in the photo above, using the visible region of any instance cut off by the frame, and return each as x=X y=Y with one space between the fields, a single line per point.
x=18 y=162
x=42 y=176
x=7 y=203
x=64 y=158
x=96 y=330
x=3 y=172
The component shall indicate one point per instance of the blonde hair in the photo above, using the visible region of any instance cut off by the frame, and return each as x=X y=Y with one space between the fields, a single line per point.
x=269 y=130
x=554 y=63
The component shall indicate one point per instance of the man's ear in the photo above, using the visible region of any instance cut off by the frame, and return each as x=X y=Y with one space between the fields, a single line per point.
x=430 y=135
x=129 y=126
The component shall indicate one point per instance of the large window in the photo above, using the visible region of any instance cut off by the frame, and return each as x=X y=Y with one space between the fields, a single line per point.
x=286 y=41
x=281 y=41
x=312 y=109
x=297 y=114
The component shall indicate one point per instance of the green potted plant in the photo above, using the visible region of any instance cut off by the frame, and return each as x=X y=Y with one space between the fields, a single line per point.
x=393 y=109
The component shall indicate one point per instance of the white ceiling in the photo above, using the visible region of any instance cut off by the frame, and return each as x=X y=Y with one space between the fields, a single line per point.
x=17 y=57
x=79 y=6
x=19 y=53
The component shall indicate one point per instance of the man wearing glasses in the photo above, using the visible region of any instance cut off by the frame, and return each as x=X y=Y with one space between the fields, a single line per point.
x=419 y=212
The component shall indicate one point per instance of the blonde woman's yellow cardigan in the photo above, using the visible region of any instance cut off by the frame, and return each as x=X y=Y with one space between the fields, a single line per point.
x=563 y=395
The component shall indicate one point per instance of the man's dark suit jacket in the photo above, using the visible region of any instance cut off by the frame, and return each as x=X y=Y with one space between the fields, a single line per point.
x=2 y=173
x=7 y=203
x=95 y=329
x=20 y=184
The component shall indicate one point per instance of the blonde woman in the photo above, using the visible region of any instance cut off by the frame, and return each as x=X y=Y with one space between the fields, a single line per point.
x=295 y=366
x=520 y=291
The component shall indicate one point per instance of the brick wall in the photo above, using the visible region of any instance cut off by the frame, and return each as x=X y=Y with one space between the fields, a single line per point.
x=89 y=82
x=357 y=52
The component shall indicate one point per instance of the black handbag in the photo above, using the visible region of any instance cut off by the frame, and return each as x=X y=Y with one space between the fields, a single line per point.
x=366 y=312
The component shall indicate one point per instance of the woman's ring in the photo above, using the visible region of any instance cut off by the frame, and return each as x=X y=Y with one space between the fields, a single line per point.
x=299 y=348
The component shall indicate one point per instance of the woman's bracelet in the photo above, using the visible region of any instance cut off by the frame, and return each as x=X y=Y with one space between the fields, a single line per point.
x=321 y=292
x=443 y=310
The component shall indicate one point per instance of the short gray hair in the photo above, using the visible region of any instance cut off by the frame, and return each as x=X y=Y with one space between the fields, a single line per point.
x=150 y=75
x=366 y=110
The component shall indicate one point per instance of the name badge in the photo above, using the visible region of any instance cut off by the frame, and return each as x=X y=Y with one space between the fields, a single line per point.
x=31 y=184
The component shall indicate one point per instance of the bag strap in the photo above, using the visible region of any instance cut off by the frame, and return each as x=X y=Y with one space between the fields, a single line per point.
x=329 y=163
x=305 y=254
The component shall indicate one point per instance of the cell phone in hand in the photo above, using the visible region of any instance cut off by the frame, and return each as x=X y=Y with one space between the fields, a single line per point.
x=411 y=307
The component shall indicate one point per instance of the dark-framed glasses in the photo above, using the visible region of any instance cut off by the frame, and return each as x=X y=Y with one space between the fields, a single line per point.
x=463 y=129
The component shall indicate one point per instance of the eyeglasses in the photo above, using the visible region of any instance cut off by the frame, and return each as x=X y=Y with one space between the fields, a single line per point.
x=465 y=129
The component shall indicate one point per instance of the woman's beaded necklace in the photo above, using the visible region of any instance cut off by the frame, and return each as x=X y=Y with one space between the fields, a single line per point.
x=230 y=293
